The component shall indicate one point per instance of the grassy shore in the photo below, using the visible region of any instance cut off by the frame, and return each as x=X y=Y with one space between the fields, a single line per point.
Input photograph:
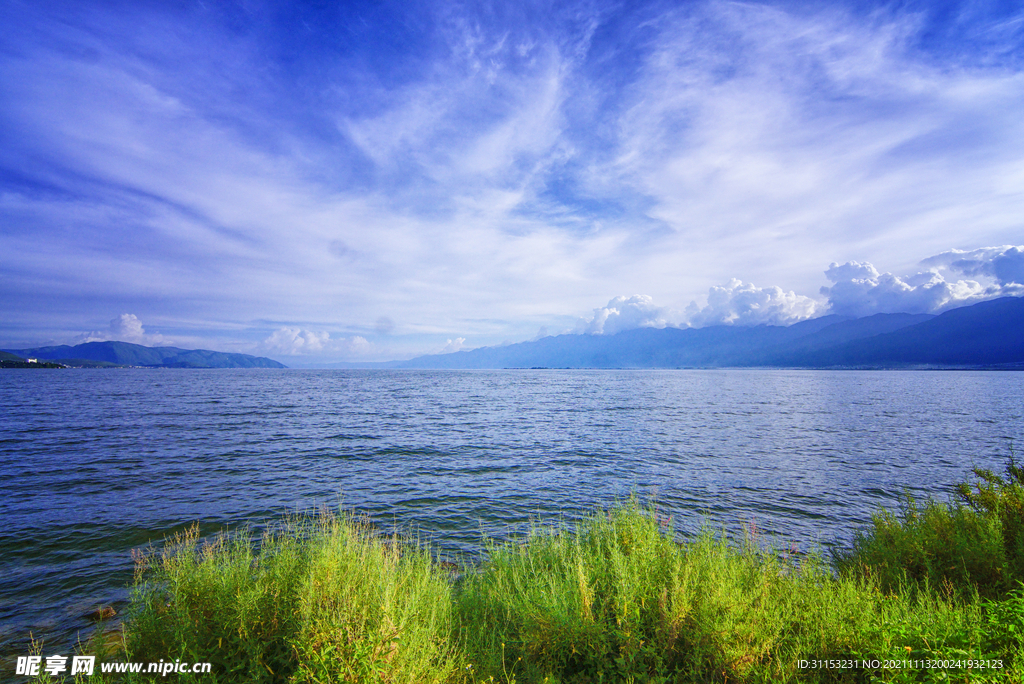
x=325 y=598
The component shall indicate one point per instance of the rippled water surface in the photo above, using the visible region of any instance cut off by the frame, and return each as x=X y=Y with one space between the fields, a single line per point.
x=94 y=463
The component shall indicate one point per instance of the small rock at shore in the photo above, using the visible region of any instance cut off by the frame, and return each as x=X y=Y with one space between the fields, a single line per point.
x=104 y=613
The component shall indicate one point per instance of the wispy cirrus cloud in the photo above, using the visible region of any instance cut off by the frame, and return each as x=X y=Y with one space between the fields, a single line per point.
x=481 y=174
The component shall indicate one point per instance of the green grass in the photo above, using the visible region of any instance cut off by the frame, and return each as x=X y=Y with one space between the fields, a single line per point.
x=619 y=601
x=325 y=599
x=973 y=544
x=613 y=598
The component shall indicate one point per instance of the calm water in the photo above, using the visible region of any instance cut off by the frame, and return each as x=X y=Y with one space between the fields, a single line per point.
x=94 y=463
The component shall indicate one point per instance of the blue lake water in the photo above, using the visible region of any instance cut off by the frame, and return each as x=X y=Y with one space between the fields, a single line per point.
x=94 y=463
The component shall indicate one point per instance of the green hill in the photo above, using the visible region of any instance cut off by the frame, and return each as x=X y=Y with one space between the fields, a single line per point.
x=127 y=354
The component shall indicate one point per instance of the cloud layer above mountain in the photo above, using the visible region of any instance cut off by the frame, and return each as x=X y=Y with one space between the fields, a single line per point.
x=857 y=289
x=124 y=328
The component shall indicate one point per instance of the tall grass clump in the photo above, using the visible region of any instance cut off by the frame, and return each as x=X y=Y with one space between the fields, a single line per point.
x=373 y=612
x=323 y=599
x=618 y=600
x=1001 y=498
x=972 y=545
x=218 y=601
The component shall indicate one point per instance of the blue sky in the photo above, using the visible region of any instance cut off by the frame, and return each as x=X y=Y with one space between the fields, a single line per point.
x=364 y=181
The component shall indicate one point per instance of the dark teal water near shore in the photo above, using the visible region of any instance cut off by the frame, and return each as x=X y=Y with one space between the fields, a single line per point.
x=96 y=463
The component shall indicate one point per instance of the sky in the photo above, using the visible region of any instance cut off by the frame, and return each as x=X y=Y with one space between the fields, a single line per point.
x=364 y=181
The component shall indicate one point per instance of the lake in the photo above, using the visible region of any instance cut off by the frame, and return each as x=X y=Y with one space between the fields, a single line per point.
x=94 y=463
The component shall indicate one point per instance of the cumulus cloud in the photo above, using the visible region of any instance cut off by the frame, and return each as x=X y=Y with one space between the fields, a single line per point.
x=858 y=289
x=1005 y=265
x=299 y=342
x=627 y=313
x=736 y=303
x=739 y=303
x=125 y=328
x=454 y=345
x=294 y=342
x=355 y=345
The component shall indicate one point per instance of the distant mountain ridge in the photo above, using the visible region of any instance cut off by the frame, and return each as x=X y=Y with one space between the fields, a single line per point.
x=128 y=354
x=988 y=334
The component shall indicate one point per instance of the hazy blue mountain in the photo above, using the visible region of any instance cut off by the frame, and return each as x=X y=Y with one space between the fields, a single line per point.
x=127 y=354
x=986 y=334
x=983 y=335
x=795 y=353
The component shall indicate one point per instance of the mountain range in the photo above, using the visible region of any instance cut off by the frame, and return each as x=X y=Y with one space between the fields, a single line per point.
x=127 y=354
x=986 y=335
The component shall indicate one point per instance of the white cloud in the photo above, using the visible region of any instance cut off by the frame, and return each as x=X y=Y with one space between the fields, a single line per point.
x=627 y=313
x=355 y=346
x=300 y=342
x=736 y=303
x=295 y=342
x=1005 y=265
x=478 y=128
x=453 y=345
x=858 y=289
x=739 y=303
x=125 y=328
x=768 y=141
